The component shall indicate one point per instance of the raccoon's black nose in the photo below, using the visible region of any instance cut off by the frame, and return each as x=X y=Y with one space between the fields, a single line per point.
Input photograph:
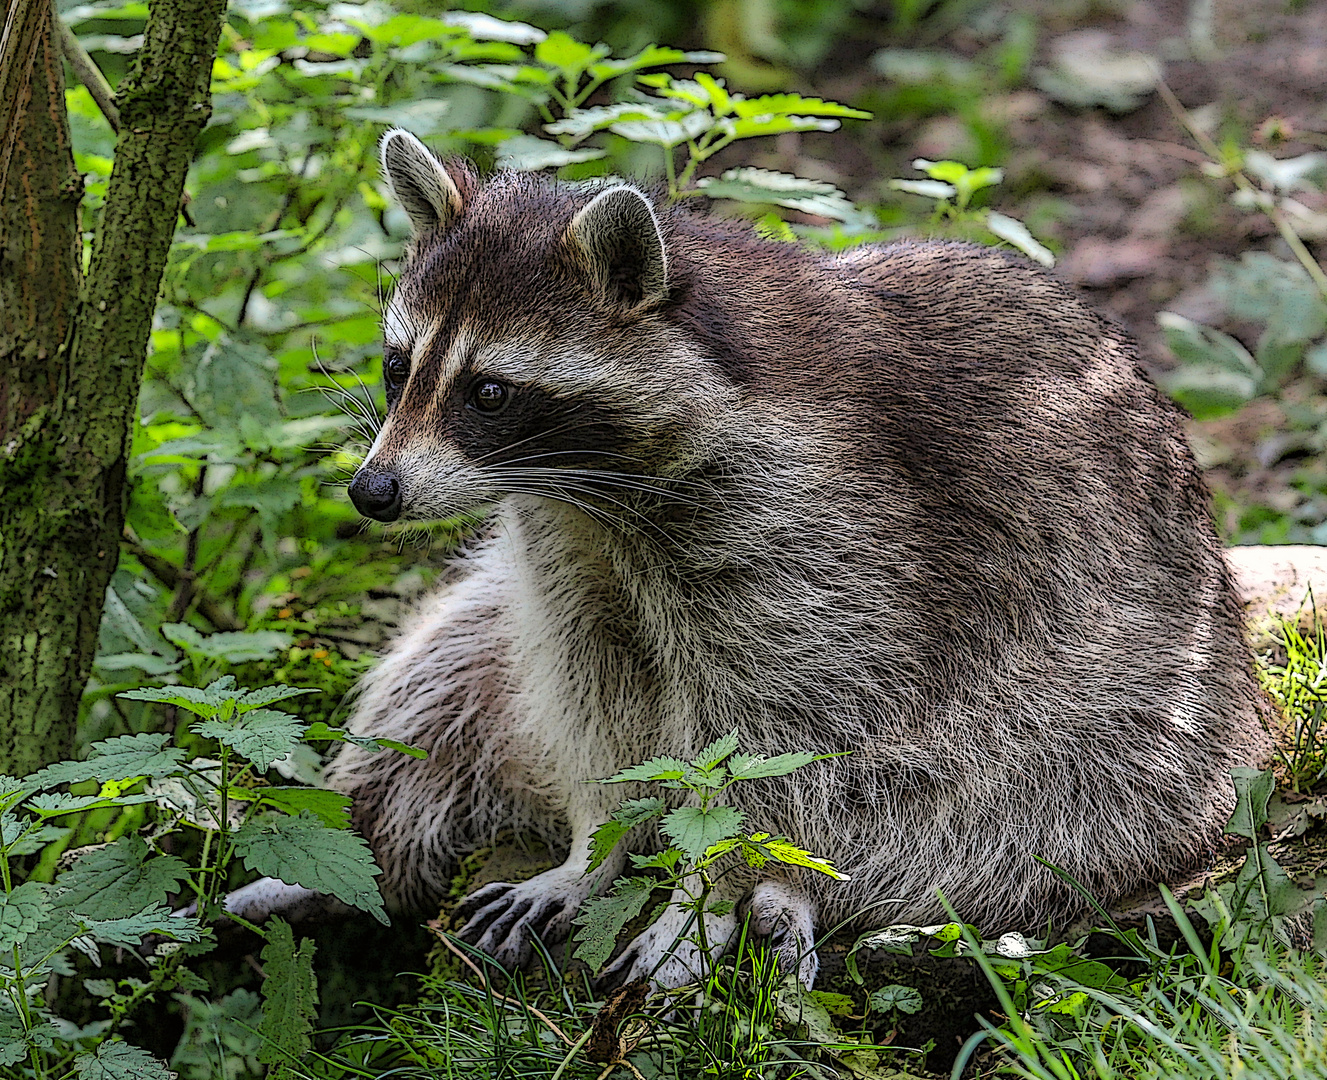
x=376 y=495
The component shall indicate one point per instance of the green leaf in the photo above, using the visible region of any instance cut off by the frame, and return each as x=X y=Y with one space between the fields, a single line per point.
x=766 y=187
x=665 y=132
x=58 y=803
x=832 y=1003
x=422 y=117
x=261 y=736
x=1315 y=359
x=267 y=695
x=1216 y=374
x=119 y=1061
x=202 y=702
x=754 y=127
x=130 y=931
x=694 y=830
x=1016 y=233
x=751 y=767
x=234 y=647
x=654 y=770
x=717 y=752
x=290 y=996
x=16 y=1038
x=303 y=851
x=119 y=880
x=1279 y=293
x=793 y=104
x=233 y=386
x=626 y=817
x=1277 y=357
x=151 y=665
x=1267 y=889
x=120 y=618
x=145 y=754
x=1193 y=343
x=569 y=56
x=652 y=56
x=320 y=732
x=13 y=1035
x=529 y=153
x=786 y=852
x=484 y=27
x=21 y=912
x=1253 y=791
x=330 y=807
x=903 y=998
x=582 y=122
x=666 y=860
x=930 y=189
x=602 y=918
x=1208 y=392
x=23 y=838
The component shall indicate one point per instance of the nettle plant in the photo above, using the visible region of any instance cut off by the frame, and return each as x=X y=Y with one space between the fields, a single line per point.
x=951 y=184
x=118 y=893
x=702 y=836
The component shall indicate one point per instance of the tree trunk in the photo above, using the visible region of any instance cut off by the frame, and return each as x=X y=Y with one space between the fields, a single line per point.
x=70 y=371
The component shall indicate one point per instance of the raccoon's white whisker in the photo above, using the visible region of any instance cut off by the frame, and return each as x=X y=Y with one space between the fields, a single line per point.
x=559 y=495
x=546 y=485
x=683 y=481
x=624 y=481
x=348 y=403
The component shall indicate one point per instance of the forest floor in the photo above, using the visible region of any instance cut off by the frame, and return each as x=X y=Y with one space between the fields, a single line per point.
x=1121 y=195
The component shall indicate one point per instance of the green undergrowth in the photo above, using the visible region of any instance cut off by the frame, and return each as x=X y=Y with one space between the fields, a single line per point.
x=1230 y=982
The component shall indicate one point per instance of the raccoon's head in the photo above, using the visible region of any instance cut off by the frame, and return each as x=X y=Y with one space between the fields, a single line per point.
x=527 y=347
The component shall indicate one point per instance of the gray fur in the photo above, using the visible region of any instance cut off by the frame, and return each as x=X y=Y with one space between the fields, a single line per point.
x=917 y=503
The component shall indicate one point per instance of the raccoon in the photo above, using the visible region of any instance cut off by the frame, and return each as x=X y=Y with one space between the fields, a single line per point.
x=914 y=504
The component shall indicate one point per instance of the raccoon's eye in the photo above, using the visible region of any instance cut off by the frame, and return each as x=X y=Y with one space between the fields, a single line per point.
x=489 y=396
x=395 y=367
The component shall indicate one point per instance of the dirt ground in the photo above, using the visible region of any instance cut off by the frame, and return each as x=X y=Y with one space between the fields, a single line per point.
x=1121 y=195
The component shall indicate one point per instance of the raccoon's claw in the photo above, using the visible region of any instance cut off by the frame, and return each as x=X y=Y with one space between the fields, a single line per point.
x=480 y=900
x=503 y=920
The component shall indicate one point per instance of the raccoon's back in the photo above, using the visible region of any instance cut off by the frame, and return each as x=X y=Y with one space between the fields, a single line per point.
x=1029 y=497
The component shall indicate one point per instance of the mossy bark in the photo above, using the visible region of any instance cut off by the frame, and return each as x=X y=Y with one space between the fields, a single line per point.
x=72 y=352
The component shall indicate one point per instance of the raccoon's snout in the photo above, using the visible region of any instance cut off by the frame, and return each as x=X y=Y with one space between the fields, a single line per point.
x=376 y=494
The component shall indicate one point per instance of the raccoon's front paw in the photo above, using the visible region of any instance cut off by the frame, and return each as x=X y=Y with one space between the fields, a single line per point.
x=664 y=952
x=786 y=917
x=503 y=920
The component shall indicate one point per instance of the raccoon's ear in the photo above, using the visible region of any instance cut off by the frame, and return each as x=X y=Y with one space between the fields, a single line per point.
x=420 y=182
x=620 y=238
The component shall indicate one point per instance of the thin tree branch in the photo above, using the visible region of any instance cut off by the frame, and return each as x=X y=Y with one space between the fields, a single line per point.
x=88 y=74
